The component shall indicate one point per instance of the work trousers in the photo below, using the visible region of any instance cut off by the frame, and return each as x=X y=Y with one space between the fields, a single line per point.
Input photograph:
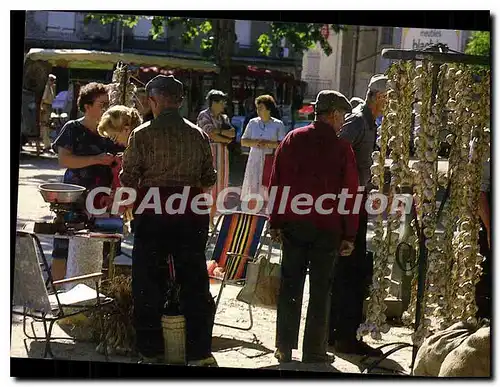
x=45 y=111
x=305 y=246
x=351 y=282
x=185 y=238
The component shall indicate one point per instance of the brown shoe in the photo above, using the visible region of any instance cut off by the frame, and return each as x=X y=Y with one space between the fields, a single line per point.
x=159 y=359
x=283 y=356
x=206 y=362
x=326 y=359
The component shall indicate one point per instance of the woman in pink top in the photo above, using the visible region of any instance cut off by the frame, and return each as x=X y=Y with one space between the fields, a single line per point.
x=218 y=126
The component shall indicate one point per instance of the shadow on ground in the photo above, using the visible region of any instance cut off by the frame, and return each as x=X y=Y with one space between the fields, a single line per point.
x=66 y=350
x=41 y=179
x=45 y=178
x=386 y=366
x=69 y=351
x=27 y=156
x=21 y=221
x=299 y=366
x=250 y=349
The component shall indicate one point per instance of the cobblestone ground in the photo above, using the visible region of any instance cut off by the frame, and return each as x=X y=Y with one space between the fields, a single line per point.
x=232 y=348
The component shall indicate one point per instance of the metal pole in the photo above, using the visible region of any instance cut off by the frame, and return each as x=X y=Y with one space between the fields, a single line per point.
x=355 y=62
x=123 y=34
x=436 y=57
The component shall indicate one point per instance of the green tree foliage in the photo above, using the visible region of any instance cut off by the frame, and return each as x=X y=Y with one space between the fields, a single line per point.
x=218 y=37
x=479 y=43
x=301 y=36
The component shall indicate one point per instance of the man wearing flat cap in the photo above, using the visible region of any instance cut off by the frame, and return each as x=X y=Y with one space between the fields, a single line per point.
x=353 y=274
x=165 y=155
x=312 y=161
x=356 y=101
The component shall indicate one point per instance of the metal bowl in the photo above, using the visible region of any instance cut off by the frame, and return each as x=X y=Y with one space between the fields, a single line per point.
x=61 y=192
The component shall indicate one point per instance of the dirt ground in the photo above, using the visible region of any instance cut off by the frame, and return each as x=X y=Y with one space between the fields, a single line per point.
x=231 y=348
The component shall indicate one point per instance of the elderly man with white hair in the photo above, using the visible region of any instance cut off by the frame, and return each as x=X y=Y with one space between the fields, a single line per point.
x=353 y=274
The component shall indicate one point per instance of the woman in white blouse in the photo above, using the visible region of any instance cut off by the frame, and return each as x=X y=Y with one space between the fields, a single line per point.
x=262 y=135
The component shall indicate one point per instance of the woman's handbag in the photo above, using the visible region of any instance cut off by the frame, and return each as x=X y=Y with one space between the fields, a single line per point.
x=262 y=284
x=268 y=168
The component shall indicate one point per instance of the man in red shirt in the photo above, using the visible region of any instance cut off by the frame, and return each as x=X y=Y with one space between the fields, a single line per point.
x=315 y=179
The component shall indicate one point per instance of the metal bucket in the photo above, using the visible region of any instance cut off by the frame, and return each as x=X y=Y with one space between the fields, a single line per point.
x=174 y=338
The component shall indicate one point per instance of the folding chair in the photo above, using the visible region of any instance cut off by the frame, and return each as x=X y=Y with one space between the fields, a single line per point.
x=45 y=269
x=238 y=242
x=31 y=294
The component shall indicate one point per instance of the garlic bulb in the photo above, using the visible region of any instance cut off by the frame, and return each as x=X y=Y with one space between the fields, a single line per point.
x=394 y=132
x=426 y=147
x=462 y=107
x=461 y=246
x=121 y=91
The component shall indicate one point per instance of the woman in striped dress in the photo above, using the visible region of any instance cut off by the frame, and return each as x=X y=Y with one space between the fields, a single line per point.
x=217 y=126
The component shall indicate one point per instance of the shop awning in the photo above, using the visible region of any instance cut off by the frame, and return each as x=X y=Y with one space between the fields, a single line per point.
x=103 y=60
x=306 y=109
x=265 y=72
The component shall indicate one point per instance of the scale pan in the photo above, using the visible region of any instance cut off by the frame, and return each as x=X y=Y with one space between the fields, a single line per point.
x=61 y=192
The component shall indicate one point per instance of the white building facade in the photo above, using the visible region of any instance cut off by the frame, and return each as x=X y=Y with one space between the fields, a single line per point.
x=322 y=71
x=356 y=56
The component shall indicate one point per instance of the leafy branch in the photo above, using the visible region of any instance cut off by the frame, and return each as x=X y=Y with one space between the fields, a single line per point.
x=300 y=36
x=479 y=44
